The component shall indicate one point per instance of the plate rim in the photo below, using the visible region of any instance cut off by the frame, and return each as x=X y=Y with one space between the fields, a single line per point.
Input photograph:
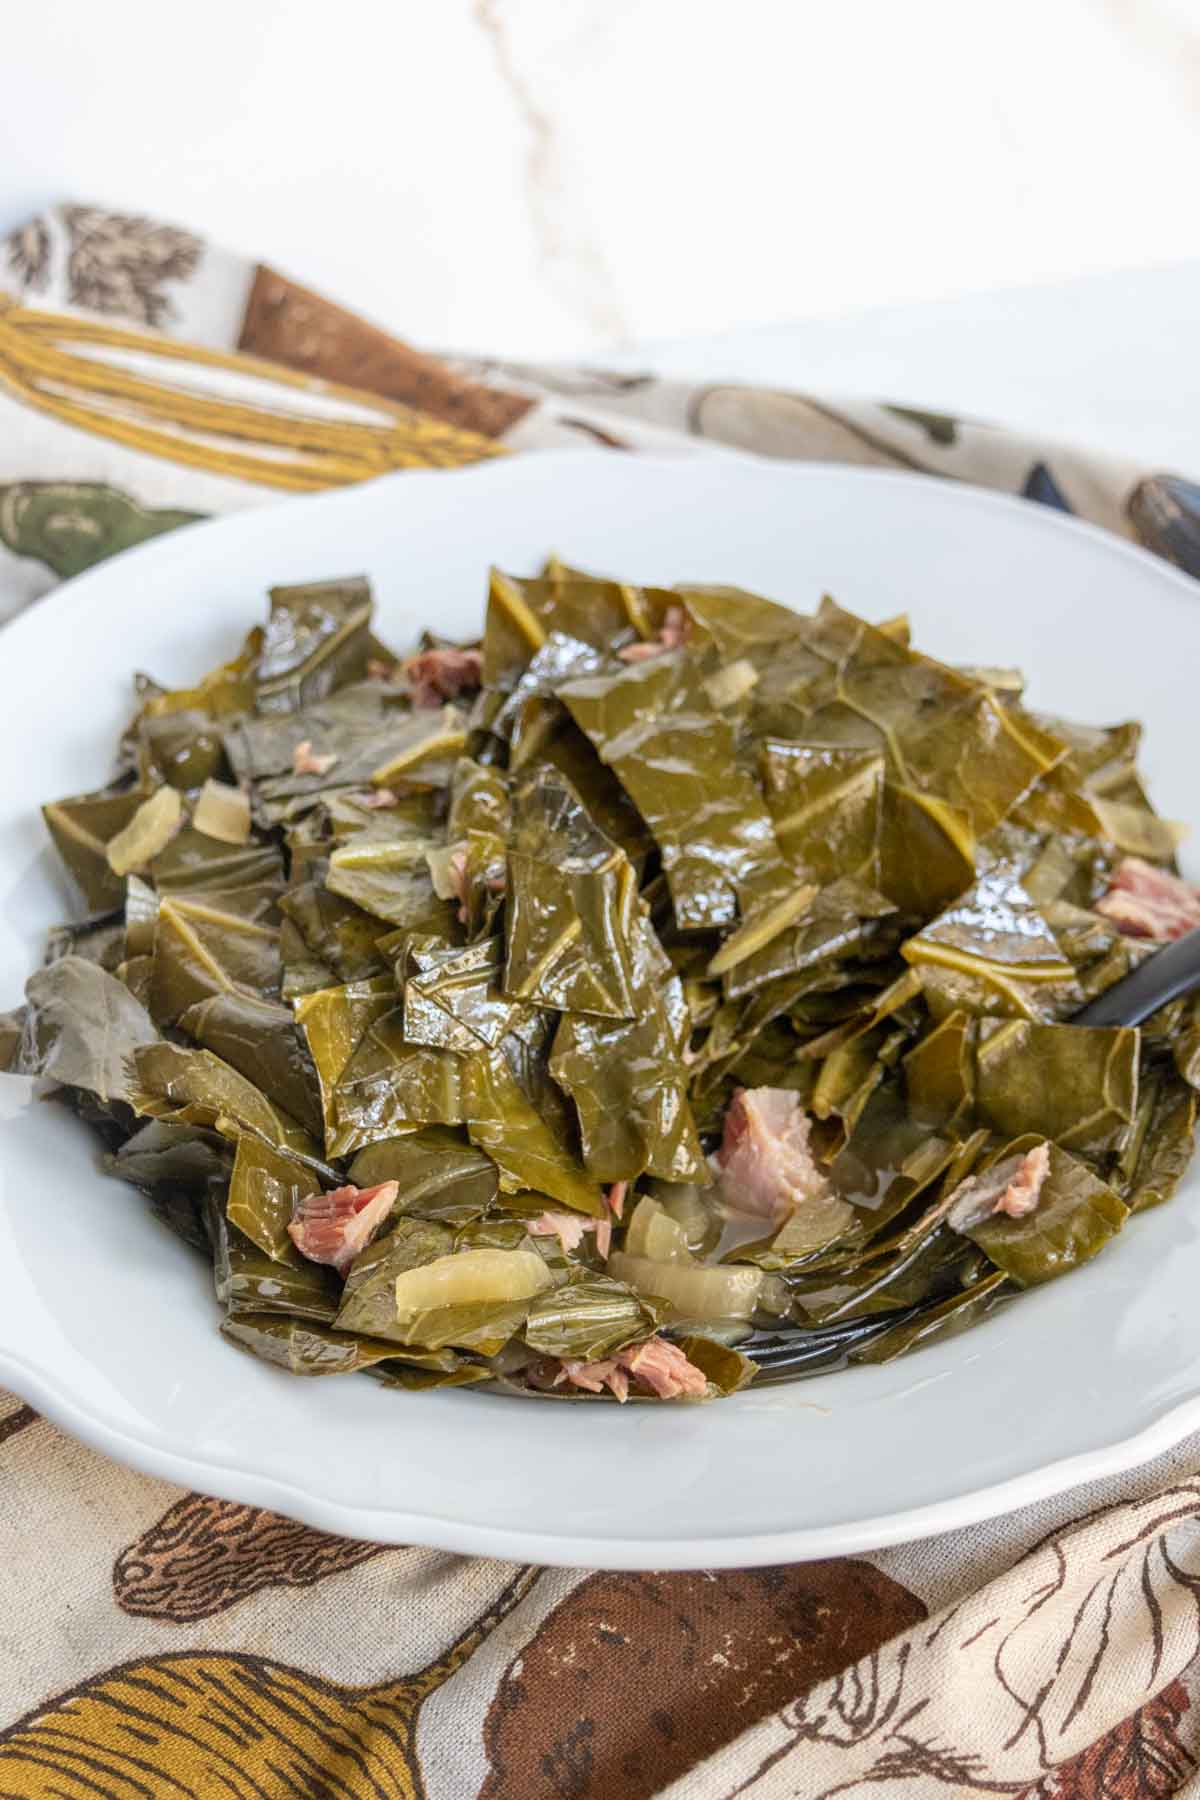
x=37 y=1383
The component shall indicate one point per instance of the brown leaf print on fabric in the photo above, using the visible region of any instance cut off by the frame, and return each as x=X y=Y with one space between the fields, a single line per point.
x=117 y=263
x=634 y=1678
x=596 y=434
x=19 y=1419
x=1007 y=1687
x=289 y=324
x=200 y=1723
x=204 y=1556
x=27 y=256
x=1142 y=1759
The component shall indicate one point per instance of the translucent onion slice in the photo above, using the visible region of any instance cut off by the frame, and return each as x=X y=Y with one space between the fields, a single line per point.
x=150 y=830
x=471 y=1278
x=689 y=1289
x=652 y=1233
x=732 y=683
x=223 y=812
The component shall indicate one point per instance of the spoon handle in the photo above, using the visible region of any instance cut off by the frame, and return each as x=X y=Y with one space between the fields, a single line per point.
x=1164 y=976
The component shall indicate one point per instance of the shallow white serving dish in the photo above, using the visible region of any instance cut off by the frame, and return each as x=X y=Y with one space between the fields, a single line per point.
x=108 y=1324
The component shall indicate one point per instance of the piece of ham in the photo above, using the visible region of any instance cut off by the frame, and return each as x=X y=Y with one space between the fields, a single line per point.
x=663 y=1368
x=332 y=1228
x=306 y=761
x=764 y=1165
x=378 y=798
x=1012 y=1187
x=568 y=1228
x=672 y=634
x=440 y=675
x=616 y=1198
x=659 y=1367
x=1146 y=902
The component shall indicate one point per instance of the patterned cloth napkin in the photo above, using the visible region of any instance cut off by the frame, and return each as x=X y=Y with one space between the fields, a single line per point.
x=155 y=1642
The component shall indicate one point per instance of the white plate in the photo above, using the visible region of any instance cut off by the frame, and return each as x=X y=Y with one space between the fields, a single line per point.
x=107 y=1322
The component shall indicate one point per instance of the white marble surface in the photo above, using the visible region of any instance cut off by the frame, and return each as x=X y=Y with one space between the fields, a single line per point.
x=542 y=176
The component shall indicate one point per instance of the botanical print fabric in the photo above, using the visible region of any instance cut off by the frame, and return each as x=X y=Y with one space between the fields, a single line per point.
x=155 y=1642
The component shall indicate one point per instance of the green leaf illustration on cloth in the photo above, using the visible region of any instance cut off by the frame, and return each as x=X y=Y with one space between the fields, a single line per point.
x=69 y=525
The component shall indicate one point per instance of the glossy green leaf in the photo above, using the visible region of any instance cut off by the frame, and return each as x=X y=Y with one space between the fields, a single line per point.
x=304 y=1347
x=369 y=1300
x=80 y=1026
x=673 y=751
x=214 y=942
x=1073 y=1083
x=194 y=1087
x=440 y=1173
x=261 y=1039
x=1168 y=1143
x=317 y=638
x=452 y=996
x=826 y=802
x=1075 y=1216
x=993 y=952
x=942 y=1319
x=249 y=1281
x=841 y=920
x=193 y=862
x=527 y=1152
x=184 y=1155
x=81 y=827
x=265 y=1189
x=571 y=905
x=383 y=869
x=388 y=1082
x=587 y=1319
x=939 y=1074
x=333 y=1021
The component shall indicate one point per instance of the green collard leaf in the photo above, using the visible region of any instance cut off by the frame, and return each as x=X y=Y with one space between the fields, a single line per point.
x=80 y=1026
x=302 y=1346
x=587 y=1319
x=265 y=1189
x=1075 y=1216
x=441 y=1175
x=528 y=1152
x=826 y=802
x=1075 y=1084
x=655 y=726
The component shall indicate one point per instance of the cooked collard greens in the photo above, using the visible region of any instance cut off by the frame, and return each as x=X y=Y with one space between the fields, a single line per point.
x=665 y=992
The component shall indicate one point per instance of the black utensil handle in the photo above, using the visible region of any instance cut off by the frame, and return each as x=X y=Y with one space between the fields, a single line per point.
x=1162 y=977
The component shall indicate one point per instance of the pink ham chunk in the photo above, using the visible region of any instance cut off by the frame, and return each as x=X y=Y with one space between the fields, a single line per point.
x=332 y=1228
x=663 y=1368
x=673 y=633
x=439 y=675
x=305 y=760
x=1012 y=1187
x=1146 y=902
x=656 y=1366
x=568 y=1228
x=765 y=1165
x=594 y=1377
